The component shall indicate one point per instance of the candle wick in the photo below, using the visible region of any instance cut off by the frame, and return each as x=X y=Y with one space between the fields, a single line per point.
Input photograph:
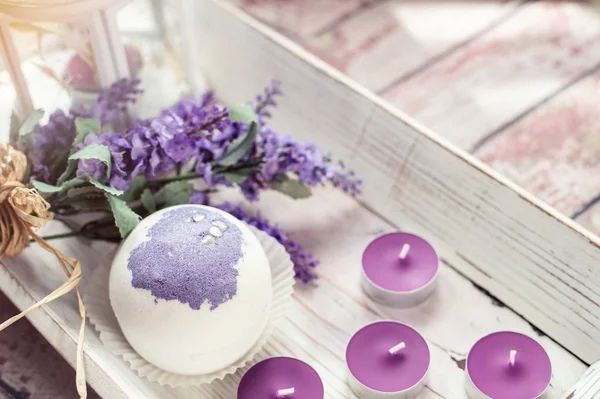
x=512 y=357
x=283 y=393
x=404 y=251
x=397 y=348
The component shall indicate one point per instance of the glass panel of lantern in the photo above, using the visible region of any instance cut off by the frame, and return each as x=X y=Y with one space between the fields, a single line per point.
x=156 y=40
x=61 y=53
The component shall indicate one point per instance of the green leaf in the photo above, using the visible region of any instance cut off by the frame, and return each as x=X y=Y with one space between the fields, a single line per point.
x=15 y=124
x=28 y=140
x=174 y=193
x=25 y=132
x=87 y=198
x=239 y=147
x=148 y=201
x=71 y=166
x=293 y=188
x=85 y=126
x=46 y=188
x=94 y=151
x=135 y=189
x=87 y=191
x=125 y=218
x=91 y=204
x=235 y=177
x=72 y=183
x=105 y=188
x=242 y=113
x=31 y=122
x=49 y=188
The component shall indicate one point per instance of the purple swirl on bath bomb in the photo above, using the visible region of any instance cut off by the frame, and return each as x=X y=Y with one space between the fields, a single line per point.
x=183 y=261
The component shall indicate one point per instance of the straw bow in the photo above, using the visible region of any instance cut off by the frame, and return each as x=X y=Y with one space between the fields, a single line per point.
x=22 y=210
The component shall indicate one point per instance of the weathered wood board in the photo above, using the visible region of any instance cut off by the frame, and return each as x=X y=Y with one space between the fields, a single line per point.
x=588 y=387
x=515 y=66
x=302 y=19
x=532 y=258
x=590 y=218
x=532 y=144
x=29 y=366
x=395 y=39
x=554 y=152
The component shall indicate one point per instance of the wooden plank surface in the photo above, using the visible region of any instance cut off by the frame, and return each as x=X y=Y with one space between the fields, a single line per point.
x=588 y=387
x=324 y=314
x=488 y=82
x=590 y=218
x=302 y=19
x=458 y=86
x=484 y=226
x=554 y=151
x=395 y=39
x=29 y=366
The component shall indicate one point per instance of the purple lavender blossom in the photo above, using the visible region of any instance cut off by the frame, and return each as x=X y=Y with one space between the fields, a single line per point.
x=53 y=140
x=199 y=197
x=50 y=151
x=252 y=186
x=304 y=263
x=91 y=167
x=111 y=103
x=180 y=148
x=188 y=132
x=347 y=181
x=199 y=131
x=266 y=100
x=284 y=155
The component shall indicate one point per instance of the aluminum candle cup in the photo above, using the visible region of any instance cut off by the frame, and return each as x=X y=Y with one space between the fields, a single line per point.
x=399 y=269
x=387 y=359
x=507 y=365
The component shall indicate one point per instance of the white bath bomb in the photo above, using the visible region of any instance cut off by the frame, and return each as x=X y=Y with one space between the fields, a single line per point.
x=191 y=289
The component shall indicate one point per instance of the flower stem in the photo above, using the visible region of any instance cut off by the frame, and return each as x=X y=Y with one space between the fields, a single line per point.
x=185 y=176
x=62 y=235
x=209 y=123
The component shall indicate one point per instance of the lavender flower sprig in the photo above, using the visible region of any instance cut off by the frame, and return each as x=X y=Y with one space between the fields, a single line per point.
x=111 y=103
x=303 y=261
x=53 y=141
x=145 y=166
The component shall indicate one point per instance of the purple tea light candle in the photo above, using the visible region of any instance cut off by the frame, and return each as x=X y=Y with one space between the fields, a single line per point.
x=399 y=269
x=387 y=359
x=281 y=378
x=507 y=365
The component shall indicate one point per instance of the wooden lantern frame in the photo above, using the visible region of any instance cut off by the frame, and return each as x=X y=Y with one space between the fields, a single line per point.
x=100 y=18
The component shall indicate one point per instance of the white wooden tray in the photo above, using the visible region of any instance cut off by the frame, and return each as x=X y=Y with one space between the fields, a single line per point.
x=537 y=262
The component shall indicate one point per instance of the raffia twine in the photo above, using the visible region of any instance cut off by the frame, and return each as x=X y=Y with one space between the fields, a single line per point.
x=22 y=210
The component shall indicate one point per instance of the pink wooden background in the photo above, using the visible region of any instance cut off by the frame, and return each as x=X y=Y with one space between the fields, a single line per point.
x=515 y=83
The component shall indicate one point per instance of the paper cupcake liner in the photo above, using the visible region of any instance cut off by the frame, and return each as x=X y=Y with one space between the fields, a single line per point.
x=102 y=317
